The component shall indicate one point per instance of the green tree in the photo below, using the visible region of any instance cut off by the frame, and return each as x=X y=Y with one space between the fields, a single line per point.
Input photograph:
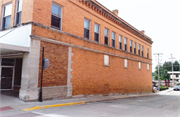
x=163 y=69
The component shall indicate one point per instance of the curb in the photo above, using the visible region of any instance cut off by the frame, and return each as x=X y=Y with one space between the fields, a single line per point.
x=83 y=102
x=55 y=105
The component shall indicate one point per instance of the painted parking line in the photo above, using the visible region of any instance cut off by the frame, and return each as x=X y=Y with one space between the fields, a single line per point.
x=55 y=105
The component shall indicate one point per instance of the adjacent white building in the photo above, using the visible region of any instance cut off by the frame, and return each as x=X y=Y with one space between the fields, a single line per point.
x=175 y=76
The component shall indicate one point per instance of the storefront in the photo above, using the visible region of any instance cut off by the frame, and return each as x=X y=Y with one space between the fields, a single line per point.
x=10 y=72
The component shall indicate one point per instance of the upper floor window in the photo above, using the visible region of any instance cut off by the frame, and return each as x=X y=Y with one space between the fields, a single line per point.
x=139 y=49
x=6 y=19
x=86 y=29
x=96 y=33
x=125 y=44
x=147 y=52
x=131 y=46
x=56 y=17
x=134 y=47
x=120 y=42
x=18 y=12
x=106 y=37
x=142 y=50
x=113 y=39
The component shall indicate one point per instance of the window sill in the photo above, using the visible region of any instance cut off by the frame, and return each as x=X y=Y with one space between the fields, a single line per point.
x=126 y=67
x=107 y=65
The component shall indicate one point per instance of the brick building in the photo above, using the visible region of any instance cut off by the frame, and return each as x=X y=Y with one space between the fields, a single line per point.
x=91 y=50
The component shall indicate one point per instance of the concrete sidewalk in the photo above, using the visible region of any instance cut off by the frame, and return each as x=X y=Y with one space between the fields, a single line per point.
x=165 y=91
x=13 y=105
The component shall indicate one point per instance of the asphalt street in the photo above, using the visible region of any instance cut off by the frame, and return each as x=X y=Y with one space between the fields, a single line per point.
x=164 y=105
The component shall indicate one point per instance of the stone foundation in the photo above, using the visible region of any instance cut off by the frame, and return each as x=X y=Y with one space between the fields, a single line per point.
x=56 y=92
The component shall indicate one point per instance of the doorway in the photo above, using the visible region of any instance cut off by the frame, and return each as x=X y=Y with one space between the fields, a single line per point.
x=7 y=77
x=10 y=73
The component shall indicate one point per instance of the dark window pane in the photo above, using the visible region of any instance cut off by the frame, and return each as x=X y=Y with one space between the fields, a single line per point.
x=6 y=22
x=96 y=37
x=139 y=52
x=18 y=18
x=130 y=49
x=147 y=55
x=106 y=40
x=86 y=33
x=7 y=62
x=125 y=47
x=142 y=53
x=134 y=50
x=18 y=71
x=120 y=45
x=113 y=43
x=6 y=78
x=55 y=22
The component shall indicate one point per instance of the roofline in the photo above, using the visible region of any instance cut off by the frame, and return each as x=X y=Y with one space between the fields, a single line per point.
x=121 y=20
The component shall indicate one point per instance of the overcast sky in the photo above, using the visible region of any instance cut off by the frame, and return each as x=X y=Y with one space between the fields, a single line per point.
x=159 y=18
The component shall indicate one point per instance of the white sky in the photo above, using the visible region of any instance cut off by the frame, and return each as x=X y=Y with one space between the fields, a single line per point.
x=159 y=18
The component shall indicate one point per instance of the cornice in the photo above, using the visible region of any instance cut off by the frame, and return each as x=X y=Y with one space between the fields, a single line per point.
x=110 y=16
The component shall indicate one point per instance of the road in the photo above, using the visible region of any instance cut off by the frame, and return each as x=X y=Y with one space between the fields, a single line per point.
x=164 y=105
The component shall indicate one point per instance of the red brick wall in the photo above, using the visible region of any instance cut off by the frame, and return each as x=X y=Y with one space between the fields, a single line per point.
x=42 y=12
x=73 y=22
x=90 y=76
x=56 y=74
x=27 y=11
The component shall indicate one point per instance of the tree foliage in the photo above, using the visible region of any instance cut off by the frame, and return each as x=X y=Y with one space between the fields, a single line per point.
x=163 y=69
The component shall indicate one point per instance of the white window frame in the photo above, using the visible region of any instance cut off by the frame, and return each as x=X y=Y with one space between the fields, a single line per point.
x=61 y=15
x=125 y=43
x=142 y=50
x=106 y=36
x=139 y=65
x=89 y=28
x=106 y=60
x=15 y=23
x=148 y=67
x=2 y=15
x=125 y=63
x=120 y=41
x=114 y=39
x=131 y=45
x=135 y=48
x=139 y=49
x=96 y=32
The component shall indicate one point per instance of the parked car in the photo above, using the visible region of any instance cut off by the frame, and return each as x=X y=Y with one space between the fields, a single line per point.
x=176 y=88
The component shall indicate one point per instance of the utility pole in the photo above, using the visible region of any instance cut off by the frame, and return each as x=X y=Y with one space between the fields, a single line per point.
x=158 y=69
x=172 y=70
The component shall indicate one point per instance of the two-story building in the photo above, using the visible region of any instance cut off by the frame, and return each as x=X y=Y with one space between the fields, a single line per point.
x=91 y=50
